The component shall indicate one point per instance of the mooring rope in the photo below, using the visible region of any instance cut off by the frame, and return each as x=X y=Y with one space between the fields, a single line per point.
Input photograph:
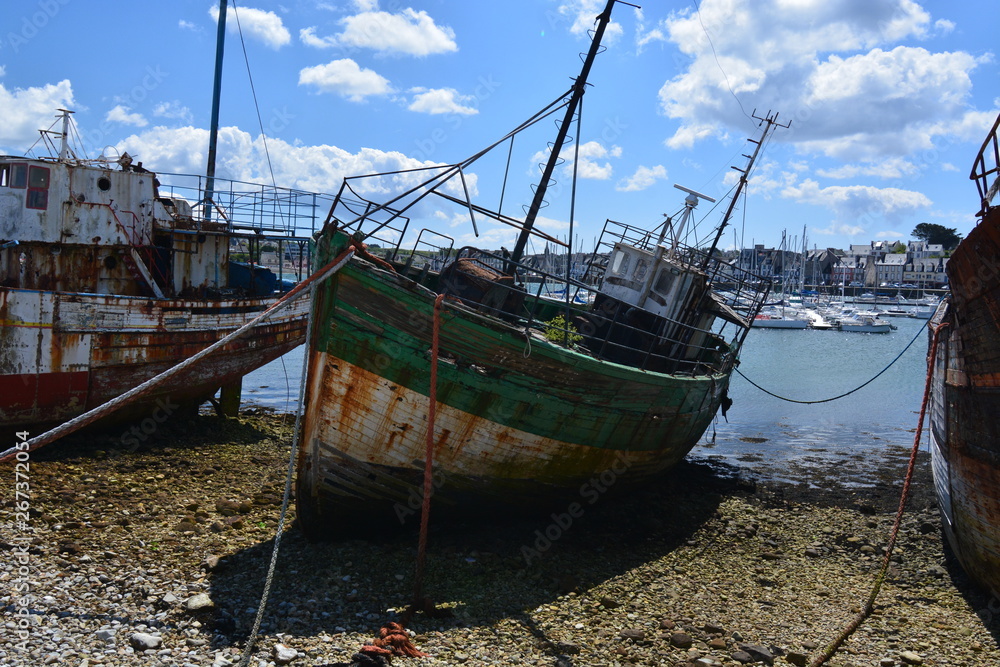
x=252 y=639
x=893 y=534
x=920 y=330
x=105 y=409
x=425 y=508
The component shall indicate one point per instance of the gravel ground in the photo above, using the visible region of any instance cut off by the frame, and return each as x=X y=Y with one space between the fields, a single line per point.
x=157 y=555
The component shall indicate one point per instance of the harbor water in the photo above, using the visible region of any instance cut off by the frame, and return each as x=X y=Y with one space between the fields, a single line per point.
x=763 y=436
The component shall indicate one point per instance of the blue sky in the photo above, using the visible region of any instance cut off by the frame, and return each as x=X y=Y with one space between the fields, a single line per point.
x=889 y=100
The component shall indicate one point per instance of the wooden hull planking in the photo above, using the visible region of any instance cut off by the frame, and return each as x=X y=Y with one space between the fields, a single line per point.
x=518 y=422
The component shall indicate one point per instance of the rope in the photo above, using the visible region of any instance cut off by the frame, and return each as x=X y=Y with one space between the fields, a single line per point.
x=136 y=392
x=870 y=604
x=245 y=659
x=920 y=330
x=425 y=508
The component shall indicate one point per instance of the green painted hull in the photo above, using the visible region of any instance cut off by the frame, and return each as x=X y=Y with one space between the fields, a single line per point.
x=520 y=420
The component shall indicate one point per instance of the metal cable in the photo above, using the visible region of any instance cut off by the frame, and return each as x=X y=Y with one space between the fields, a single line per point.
x=245 y=659
x=846 y=393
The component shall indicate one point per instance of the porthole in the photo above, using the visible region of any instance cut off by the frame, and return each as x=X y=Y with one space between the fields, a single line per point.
x=104 y=183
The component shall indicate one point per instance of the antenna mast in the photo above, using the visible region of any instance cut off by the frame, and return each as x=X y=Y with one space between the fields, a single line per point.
x=769 y=122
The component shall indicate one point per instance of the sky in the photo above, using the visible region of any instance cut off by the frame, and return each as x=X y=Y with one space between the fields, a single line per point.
x=889 y=102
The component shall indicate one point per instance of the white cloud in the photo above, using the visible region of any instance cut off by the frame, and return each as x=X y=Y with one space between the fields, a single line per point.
x=408 y=32
x=889 y=168
x=241 y=157
x=944 y=26
x=262 y=25
x=345 y=78
x=308 y=37
x=859 y=204
x=833 y=66
x=123 y=114
x=27 y=110
x=582 y=15
x=188 y=25
x=643 y=178
x=587 y=164
x=441 y=101
x=173 y=110
x=3 y=70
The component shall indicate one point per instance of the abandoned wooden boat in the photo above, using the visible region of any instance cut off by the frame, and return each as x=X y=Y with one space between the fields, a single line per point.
x=538 y=401
x=110 y=274
x=965 y=397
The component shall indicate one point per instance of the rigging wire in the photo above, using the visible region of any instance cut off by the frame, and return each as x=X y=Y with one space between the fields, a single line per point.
x=846 y=393
x=718 y=64
x=258 y=617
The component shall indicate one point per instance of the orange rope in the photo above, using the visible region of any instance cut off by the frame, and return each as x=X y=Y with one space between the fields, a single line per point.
x=870 y=604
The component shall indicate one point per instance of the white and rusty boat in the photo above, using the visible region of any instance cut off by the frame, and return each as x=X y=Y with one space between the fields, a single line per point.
x=965 y=386
x=110 y=274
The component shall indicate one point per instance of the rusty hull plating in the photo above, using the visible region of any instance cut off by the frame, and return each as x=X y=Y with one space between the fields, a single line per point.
x=110 y=274
x=965 y=399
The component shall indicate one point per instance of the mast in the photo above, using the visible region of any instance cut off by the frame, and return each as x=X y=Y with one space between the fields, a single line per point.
x=213 y=134
x=769 y=122
x=574 y=102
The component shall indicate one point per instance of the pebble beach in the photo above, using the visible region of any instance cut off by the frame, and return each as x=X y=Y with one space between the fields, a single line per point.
x=155 y=551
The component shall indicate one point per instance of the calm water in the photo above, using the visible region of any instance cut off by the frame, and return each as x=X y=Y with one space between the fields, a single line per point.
x=775 y=438
x=765 y=436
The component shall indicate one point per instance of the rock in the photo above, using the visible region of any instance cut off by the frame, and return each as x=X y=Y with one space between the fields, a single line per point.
x=610 y=603
x=635 y=634
x=227 y=507
x=911 y=658
x=186 y=527
x=886 y=662
x=200 y=602
x=106 y=636
x=796 y=658
x=566 y=648
x=284 y=654
x=71 y=548
x=681 y=640
x=142 y=641
x=713 y=629
x=717 y=644
x=758 y=652
x=211 y=563
x=742 y=657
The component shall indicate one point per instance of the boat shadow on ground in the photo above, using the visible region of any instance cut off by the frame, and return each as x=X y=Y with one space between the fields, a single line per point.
x=477 y=573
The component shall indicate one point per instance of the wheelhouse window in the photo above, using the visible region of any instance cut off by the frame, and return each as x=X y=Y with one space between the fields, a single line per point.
x=38 y=187
x=13 y=175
